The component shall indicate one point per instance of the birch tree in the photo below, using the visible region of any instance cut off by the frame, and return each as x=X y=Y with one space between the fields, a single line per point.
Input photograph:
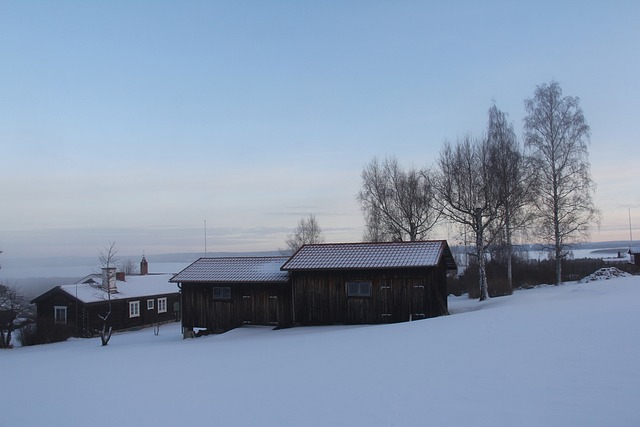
x=470 y=198
x=515 y=181
x=557 y=134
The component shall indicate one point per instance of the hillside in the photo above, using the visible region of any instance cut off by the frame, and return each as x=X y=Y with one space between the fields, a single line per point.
x=553 y=356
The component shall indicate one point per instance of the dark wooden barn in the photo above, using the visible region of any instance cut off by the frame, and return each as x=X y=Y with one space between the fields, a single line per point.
x=369 y=282
x=219 y=294
x=136 y=301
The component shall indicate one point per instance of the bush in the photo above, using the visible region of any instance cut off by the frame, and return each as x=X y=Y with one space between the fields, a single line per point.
x=27 y=335
x=43 y=333
x=526 y=274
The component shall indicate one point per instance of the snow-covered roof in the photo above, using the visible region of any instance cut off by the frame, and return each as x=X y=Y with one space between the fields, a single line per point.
x=235 y=270
x=340 y=256
x=132 y=287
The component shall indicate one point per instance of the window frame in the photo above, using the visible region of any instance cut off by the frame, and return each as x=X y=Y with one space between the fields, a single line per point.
x=224 y=293
x=151 y=304
x=61 y=308
x=134 y=309
x=358 y=293
x=162 y=305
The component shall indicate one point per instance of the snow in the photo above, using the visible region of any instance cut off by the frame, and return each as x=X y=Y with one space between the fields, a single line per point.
x=605 y=274
x=552 y=356
x=132 y=287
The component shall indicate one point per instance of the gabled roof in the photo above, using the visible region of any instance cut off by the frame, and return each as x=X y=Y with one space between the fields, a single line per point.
x=133 y=287
x=342 y=256
x=235 y=270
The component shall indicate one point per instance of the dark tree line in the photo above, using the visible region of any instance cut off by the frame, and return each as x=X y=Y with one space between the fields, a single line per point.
x=494 y=187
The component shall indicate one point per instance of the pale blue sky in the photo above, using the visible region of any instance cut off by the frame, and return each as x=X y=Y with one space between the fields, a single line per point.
x=134 y=121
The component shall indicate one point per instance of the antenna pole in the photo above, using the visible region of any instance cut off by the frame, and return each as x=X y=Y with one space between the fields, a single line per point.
x=205 y=237
x=630 y=233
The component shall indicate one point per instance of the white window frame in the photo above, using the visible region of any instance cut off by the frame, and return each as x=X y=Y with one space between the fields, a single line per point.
x=134 y=309
x=150 y=304
x=162 y=305
x=62 y=308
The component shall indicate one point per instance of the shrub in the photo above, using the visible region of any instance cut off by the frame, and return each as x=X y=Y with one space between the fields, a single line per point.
x=526 y=274
x=43 y=333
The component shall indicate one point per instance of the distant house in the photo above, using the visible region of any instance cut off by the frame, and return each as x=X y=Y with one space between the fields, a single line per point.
x=219 y=294
x=326 y=284
x=634 y=254
x=135 y=301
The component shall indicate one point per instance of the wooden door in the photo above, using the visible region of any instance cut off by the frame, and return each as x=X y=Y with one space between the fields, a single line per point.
x=274 y=317
x=247 y=309
x=386 y=295
x=418 y=301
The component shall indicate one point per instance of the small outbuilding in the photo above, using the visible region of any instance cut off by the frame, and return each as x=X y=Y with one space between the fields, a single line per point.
x=219 y=294
x=358 y=283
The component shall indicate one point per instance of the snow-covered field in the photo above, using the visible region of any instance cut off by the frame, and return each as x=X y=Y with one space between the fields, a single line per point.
x=550 y=356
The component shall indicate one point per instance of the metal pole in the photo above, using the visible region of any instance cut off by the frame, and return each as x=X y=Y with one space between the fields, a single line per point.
x=630 y=232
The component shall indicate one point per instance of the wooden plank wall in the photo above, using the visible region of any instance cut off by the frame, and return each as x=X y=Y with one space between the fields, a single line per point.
x=253 y=304
x=396 y=296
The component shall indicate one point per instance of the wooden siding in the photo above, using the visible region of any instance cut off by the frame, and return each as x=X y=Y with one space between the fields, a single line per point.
x=250 y=304
x=398 y=295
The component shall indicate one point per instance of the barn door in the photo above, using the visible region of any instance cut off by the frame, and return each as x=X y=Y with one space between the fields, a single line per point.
x=386 y=292
x=273 y=310
x=418 y=300
x=247 y=309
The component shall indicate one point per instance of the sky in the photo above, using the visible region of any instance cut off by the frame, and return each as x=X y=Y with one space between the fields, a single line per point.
x=135 y=122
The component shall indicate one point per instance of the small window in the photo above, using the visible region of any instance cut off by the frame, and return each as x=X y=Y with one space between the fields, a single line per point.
x=149 y=304
x=359 y=289
x=60 y=314
x=221 y=292
x=162 y=305
x=134 y=309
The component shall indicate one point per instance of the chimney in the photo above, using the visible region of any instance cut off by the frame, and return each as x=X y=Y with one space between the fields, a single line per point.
x=109 y=280
x=144 y=266
x=120 y=276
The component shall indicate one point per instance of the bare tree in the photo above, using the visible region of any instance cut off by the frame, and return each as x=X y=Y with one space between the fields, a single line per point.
x=398 y=205
x=557 y=134
x=470 y=198
x=307 y=232
x=129 y=268
x=13 y=306
x=108 y=259
x=515 y=181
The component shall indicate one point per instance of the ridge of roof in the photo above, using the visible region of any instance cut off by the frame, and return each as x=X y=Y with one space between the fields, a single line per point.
x=370 y=255
x=242 y=269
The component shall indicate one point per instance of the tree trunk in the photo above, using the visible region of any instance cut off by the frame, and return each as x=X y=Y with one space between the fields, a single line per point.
x=482 y=274
x=509 y=252
x=558 y=265
x=558 y=249
x=105 y=335
x=482 y=271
